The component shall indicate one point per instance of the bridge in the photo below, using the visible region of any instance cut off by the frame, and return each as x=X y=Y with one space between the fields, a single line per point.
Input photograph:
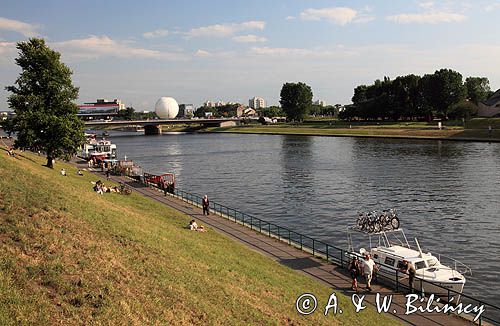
x=153 y=127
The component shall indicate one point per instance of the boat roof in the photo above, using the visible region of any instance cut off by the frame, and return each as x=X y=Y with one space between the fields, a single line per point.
x=403 y=253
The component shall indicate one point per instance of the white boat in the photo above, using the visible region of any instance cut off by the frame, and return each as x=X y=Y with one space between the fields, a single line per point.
x=102 y=148
x=433 y=276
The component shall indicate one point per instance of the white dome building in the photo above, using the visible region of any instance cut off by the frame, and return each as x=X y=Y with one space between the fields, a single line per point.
x=166 y=108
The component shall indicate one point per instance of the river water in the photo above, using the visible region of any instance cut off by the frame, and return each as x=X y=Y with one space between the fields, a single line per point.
x=446 y=193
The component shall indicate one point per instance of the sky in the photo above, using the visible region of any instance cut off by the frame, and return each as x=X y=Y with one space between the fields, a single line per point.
x=194 y=51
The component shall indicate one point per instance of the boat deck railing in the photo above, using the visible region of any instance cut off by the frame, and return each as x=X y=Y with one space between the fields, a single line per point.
x=332 y=253
x=457 y=265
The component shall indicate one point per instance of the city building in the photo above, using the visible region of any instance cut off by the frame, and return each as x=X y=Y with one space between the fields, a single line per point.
x=7 y=115
x=186 y=110
x=102 y=108
x=242 y=111
x=211 y=104
x=320 y=103
x=490 y=107
x=257 y=103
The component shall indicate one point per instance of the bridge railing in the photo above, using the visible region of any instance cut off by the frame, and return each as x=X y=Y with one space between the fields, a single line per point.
x=338 y=256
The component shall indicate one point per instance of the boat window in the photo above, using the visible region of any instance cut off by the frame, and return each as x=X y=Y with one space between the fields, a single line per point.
x=419 y=264
x=400 y=264
x=432 y=262
x=375 y=256
x=389 y=261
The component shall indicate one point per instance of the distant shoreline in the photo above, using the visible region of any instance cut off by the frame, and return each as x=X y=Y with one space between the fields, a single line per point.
x=394 y=136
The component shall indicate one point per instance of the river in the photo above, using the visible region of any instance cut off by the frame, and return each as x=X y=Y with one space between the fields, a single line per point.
x=446 y=192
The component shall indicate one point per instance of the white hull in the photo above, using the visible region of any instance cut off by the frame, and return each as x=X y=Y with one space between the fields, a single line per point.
x=427 y=286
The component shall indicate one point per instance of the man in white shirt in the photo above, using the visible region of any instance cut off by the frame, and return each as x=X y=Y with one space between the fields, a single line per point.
x=368 y=268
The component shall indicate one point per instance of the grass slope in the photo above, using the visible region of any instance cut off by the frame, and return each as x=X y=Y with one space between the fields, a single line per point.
x=71 y=256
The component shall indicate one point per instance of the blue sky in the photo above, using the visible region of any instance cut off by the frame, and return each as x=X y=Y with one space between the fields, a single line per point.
x=234 y=50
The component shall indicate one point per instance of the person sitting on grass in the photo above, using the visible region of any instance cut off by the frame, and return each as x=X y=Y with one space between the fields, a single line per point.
x=193 y=226
x=79 y=173
x=63 y=172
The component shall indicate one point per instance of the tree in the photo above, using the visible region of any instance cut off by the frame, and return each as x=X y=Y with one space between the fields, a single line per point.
x=127 y=114
x=271 y=112
x=443 y=89
x=43 y=102
x=478 y=89
x=296 y=100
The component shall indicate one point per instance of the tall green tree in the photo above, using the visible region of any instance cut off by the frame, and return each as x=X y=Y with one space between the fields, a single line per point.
x=478 y=88
x=296 y=100
x=443 y=89
x=43 y=100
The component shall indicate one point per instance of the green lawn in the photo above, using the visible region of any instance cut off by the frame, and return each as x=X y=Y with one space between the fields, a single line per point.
x=477 y=129
x=71 y=256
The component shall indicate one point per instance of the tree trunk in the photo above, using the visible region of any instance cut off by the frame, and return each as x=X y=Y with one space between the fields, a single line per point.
x=49 y=162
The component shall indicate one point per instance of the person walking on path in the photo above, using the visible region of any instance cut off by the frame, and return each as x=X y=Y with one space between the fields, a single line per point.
x=368 y=268
x=354 y=270
x=409 y=268
x=205 y=204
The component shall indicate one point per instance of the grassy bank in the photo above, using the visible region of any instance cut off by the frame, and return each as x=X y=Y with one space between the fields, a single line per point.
x=71 y=256
x=477 y=129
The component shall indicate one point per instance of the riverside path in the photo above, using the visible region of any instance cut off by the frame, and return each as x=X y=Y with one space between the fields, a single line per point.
x=303 y=262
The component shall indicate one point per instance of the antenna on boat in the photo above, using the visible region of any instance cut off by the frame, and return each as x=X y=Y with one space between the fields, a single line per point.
x=418 y=246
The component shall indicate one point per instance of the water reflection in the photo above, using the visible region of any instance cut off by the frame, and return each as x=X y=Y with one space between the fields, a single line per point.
x=296 y=174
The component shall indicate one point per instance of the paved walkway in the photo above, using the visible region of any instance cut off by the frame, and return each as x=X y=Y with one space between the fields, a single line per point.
x=332 y=275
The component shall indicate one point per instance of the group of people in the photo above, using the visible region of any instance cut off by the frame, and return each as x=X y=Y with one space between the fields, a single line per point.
x=10 y=152
x=193 y=226
x=78 y=173
x=367 y=267
x=100 y=188
x=205 y=203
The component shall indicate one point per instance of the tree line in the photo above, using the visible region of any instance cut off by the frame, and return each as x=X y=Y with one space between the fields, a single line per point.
x=442 y=94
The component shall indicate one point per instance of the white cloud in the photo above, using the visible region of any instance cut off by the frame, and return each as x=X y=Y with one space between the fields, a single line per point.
x=339 y=51
x=102 y=46
x=225 y=30
x=202 y=53
x=7 y=48
x=426 y=4
x=492 y=7
x=26 y=29
x=290 y=18
x=434 y=17
x=361 y=19
x=250 y=38
x=336 y=15
x=155 y=34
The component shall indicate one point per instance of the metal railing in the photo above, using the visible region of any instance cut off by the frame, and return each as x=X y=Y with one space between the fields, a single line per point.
x=335 y=255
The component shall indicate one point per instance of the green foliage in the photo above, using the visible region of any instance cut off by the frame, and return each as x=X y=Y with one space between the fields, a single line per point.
x=130 y=114
x=43 y=100
x=478 y=89
x=200 y=112
x=127 y=114
x=463 y=110
x=296 y=100
x=443 y=89
x=271 y=112
x=413 y=97
x=227 y=111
